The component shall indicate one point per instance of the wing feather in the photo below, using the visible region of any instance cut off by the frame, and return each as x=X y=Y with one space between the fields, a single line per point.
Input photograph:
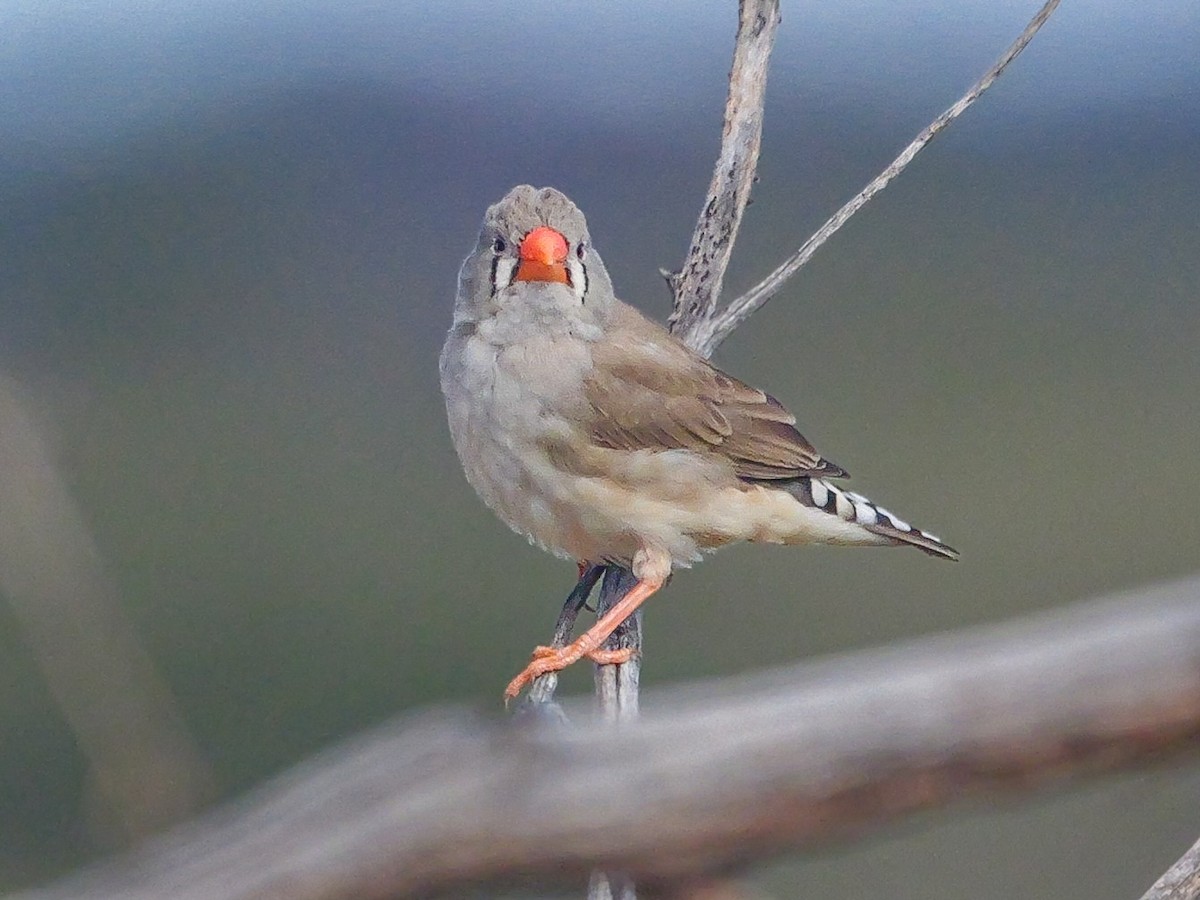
x=649 y=391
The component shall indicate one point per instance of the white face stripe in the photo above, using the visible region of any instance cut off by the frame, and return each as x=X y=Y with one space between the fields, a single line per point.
x=502 y=272
x=578 y=273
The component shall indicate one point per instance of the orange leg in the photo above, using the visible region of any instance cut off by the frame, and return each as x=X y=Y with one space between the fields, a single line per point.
x=551 y=659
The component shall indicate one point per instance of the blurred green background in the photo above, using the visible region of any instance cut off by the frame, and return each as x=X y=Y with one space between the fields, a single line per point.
x=229 y=236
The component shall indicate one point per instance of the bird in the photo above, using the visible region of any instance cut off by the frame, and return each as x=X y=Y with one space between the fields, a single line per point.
x=601 y=437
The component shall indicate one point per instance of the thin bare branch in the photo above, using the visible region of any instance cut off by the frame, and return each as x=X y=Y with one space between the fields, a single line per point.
x=1181 y=881
x=617 y=686
x=617 y=692
x=695 y=290
x=698 y=284
x=718 y=775
x=541 y=692
x=708 y=334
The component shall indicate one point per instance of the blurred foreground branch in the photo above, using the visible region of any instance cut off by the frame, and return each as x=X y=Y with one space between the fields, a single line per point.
x=713 y=777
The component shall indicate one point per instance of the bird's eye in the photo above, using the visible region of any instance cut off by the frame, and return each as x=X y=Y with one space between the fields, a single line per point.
x=581 y=250
x=499 y=245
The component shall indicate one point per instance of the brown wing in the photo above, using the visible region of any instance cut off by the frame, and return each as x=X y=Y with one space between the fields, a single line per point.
x=649 y=391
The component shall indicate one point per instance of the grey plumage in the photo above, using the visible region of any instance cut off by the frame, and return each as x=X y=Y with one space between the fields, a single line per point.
x=597 y=434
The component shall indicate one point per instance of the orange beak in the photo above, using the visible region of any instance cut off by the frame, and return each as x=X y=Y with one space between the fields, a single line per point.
x=543 y=257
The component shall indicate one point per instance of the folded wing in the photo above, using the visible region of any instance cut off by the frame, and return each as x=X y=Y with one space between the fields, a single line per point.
x=649 y=391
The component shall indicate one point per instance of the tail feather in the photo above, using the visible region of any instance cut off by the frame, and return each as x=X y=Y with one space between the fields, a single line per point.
x=852 y=507
x=932 y=545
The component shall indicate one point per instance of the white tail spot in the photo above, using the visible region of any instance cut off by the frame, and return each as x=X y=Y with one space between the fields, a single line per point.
x=820 y=493
x=864 y=512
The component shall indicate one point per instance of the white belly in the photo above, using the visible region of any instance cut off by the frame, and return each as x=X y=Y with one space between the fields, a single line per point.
x=506 y=408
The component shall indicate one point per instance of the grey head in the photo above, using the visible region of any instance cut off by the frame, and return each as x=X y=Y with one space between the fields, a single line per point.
x=534 y=260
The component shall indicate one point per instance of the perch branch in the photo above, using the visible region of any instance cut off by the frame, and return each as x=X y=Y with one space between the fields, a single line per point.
x=719 y=775
x=697 y=286
x=708 y=334
x=617 y=697
x=542 y=691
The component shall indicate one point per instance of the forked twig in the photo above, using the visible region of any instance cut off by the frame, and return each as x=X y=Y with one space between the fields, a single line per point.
x=697 y=286
x=709 y=333
x=695 y=316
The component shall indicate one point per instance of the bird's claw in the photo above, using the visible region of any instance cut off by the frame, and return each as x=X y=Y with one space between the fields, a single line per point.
x=554 y=659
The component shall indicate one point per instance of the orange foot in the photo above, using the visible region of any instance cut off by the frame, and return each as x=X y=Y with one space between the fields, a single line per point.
x=554 y=659
x=551 y=659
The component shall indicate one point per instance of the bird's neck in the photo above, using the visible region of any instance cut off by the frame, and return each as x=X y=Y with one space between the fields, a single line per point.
x=517 y=322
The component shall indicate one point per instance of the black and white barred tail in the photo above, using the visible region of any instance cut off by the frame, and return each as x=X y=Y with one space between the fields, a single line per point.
x=851 y=507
